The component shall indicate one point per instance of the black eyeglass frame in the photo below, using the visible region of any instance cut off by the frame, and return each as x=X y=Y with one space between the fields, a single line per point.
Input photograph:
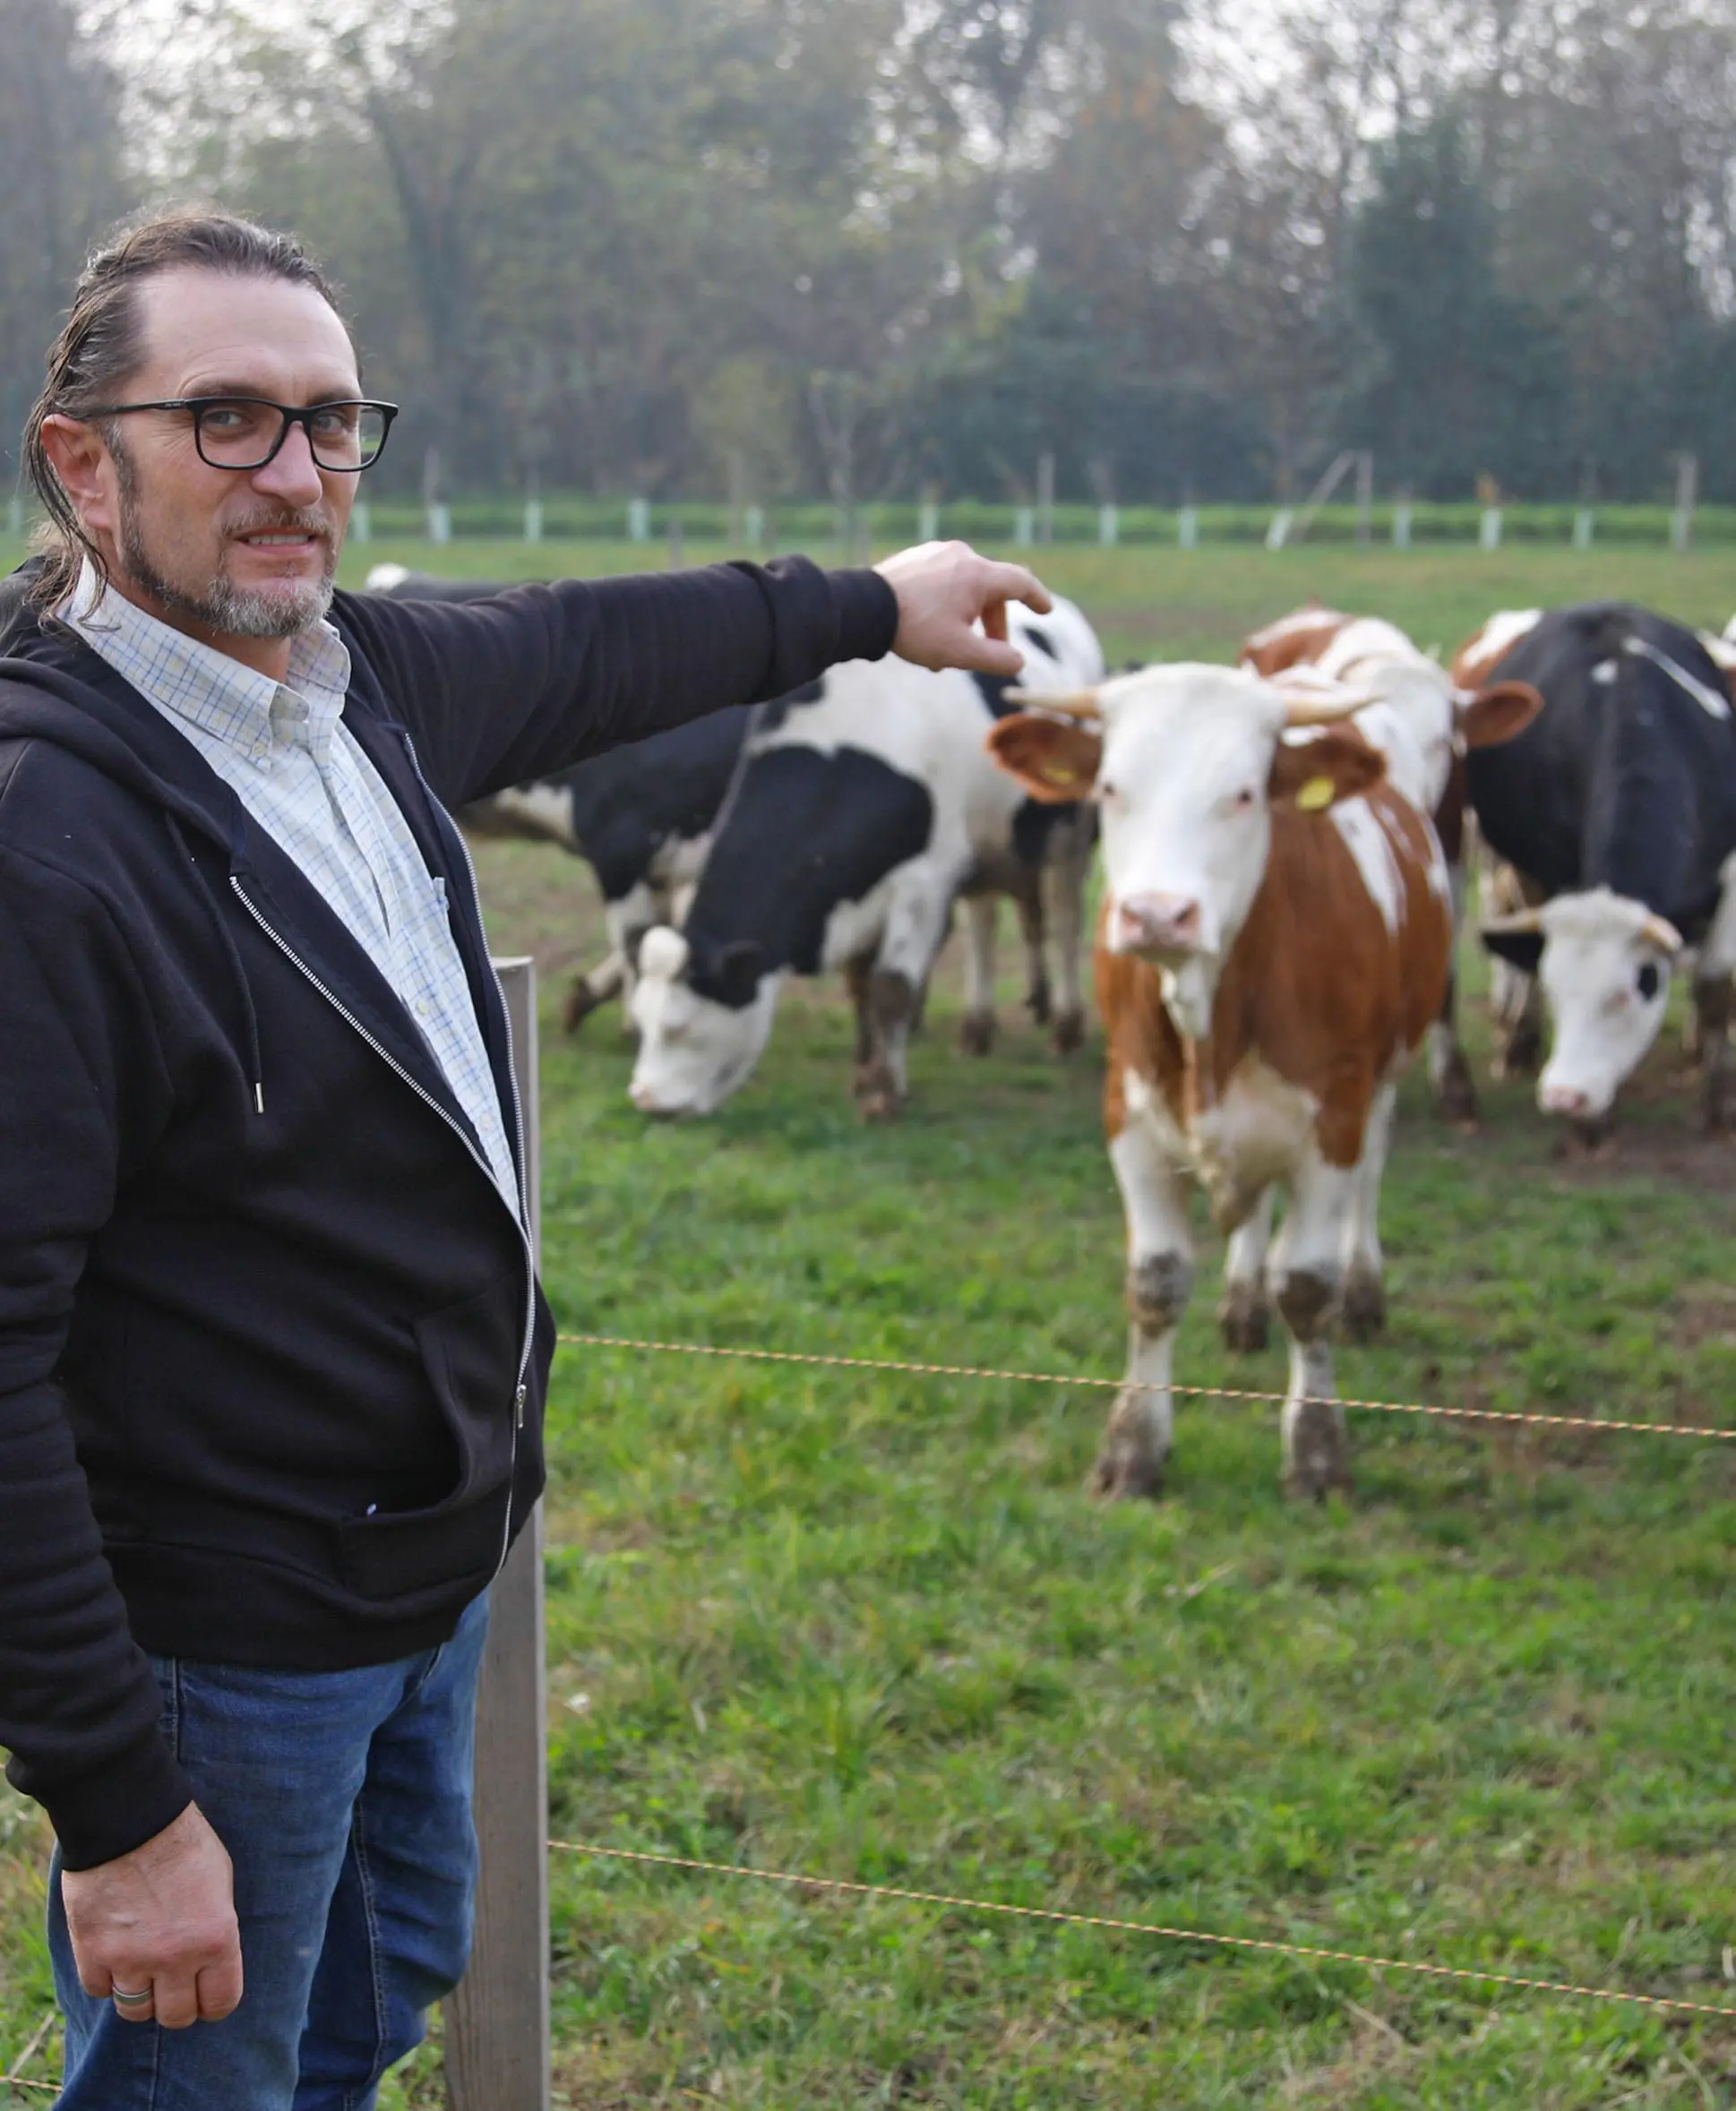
x=288 y=414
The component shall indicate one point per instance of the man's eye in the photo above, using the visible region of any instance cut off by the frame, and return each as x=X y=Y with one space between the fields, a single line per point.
x=336 y=422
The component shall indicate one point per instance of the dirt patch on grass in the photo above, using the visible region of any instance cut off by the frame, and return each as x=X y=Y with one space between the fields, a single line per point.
x=1671 y=1152
x=1706 y=1313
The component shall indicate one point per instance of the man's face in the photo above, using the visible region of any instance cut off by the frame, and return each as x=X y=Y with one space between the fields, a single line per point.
x=227 y=553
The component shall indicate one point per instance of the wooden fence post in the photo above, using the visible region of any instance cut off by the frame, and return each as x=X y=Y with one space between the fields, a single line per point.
x=497 y=2026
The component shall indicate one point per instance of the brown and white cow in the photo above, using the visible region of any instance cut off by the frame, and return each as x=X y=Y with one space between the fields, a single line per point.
x=1423 y=721
x=1274 y=940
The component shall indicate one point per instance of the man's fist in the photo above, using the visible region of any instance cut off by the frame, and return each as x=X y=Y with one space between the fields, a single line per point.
x=945 y=590
x=160 y=1921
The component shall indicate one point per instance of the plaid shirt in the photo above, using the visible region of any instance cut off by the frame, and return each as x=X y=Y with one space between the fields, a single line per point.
x=282 y=748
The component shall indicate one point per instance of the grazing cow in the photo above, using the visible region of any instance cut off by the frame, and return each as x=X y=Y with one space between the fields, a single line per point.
x=1274 y=941
x=1617 y=809
x=1424 y=724
x=640 y=815
x=866 y=805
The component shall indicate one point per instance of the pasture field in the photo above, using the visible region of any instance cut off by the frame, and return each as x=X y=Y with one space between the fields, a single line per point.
x=869 y=1627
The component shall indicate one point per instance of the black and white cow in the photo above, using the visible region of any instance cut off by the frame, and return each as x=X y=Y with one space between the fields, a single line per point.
x=867 y=805
x=639 y=816
x=1617 y=809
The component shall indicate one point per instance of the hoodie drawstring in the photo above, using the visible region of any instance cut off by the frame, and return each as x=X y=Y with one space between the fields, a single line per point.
x=233 y=954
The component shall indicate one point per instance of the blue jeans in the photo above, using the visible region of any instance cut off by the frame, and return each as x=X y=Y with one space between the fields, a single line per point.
x=344 y=1800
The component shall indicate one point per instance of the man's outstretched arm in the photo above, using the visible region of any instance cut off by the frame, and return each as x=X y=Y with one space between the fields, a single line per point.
x=500 y=691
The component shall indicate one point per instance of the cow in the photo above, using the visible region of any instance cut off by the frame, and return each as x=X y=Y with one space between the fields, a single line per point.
x=1425 y=723
x=640 y=815
x=866 y=806
x=1273 y=946
x=1617 y=809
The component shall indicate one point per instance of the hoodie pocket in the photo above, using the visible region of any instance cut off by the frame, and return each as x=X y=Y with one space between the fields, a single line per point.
x=470 y=1355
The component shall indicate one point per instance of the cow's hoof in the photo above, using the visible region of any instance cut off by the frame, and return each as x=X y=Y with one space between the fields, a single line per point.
x=1365 y=1308
x=1244 y=1320
x=1124 y=1475
x=1588 y=1141
x=1070 y=1033
x=581 y=1000
x=1317 y=1461
x=877 y=1094
x=1036 y=1002
x=977 y=1033
x=1456 y=1092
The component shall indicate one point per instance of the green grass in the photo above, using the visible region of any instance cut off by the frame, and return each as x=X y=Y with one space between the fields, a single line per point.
x=871 y=1627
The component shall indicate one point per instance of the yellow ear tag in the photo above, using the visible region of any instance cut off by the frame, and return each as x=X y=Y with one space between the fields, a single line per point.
x=1059 y=775
x=1316 y=794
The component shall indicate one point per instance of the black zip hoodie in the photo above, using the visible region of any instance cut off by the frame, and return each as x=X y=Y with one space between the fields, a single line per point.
x=272 y=1357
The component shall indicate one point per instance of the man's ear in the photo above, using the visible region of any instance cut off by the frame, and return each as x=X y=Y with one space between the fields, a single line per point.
x=1317 y=773
x=78 y=456
x=1055 y=759
x=1498 y=713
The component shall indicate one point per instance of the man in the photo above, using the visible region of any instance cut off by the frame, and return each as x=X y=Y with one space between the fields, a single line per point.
x=271 y=1350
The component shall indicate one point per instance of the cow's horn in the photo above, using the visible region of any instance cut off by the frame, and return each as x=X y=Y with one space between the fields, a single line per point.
x=1659 y=932
x=1079 y=703
x=1518 y=923
x=1309 y=707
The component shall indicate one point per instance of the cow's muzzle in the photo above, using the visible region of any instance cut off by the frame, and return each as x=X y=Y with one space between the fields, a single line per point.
x=1160 y=924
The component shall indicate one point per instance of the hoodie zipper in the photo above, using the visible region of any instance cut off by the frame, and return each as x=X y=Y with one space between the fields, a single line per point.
x=428 y=1100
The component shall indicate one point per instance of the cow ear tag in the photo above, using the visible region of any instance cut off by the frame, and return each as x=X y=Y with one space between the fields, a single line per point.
x=1059 y=774
x=1316 y=794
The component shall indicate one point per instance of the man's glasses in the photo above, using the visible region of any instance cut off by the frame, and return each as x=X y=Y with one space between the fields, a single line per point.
x=245 y=431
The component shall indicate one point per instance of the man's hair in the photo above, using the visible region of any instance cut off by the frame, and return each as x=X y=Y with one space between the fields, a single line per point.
x=101 y=343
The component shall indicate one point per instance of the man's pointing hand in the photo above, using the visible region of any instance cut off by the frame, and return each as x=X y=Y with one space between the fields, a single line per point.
x=945 y=590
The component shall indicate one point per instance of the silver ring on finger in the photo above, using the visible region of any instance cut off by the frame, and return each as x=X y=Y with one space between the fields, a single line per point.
x=129 y=2000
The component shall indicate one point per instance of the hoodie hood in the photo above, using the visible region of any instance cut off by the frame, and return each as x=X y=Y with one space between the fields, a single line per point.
x=54 y=688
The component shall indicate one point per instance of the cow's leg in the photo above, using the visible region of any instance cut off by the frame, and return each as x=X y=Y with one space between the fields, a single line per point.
x=1712 y=1009
x=1365 y=1294
x=858 y=974
x=1307 y=1281
x=1159 y=1279
x=588 y=992
x=916 y=924
x=1243 y=1312
x=977 y=1034
x=1062 y=882
x=1450 y=1083
x=626 y=921
x=1027 y=903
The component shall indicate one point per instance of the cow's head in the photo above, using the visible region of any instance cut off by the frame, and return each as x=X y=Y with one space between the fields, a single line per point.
x=704 y=1015
x=1604 y=963
x=1187 y=765
x=1421 y=721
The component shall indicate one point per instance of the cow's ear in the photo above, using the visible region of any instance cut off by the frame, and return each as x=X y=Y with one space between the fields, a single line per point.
x=1055 y=759
x=735 y=971
x=1498 y=713
x=1317 y=773
x=1522 y=949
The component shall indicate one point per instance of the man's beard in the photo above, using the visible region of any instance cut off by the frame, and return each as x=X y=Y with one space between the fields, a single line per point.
x=221 y=605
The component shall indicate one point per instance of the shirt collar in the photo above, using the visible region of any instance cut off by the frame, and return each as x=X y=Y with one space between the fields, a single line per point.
x=236 y=705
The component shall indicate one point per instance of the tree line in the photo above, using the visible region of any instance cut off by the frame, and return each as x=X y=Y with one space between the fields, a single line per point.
x=868 y=247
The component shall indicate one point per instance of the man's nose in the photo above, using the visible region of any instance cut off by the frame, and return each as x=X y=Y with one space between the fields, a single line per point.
x=292 y=476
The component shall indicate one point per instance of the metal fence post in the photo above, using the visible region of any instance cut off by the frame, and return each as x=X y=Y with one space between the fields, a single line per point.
x=497 y=2022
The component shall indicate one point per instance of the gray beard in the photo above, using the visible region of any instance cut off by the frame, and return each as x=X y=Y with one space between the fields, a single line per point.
x=231 y=610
